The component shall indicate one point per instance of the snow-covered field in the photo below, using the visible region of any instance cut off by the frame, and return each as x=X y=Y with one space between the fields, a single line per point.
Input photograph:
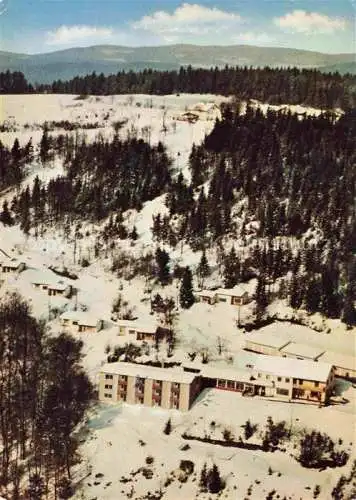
x=114 y=432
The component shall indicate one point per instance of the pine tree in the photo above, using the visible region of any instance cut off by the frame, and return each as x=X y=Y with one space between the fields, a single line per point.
x=5 y=216
x=45 y=145
x=231 y=269
x=261 y=297
x=162 y=260
x=186 y=296
x=203 y=269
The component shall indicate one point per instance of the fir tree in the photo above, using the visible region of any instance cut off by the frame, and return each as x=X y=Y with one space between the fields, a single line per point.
x=203 y=269
x=186 y=296
x=162 y=260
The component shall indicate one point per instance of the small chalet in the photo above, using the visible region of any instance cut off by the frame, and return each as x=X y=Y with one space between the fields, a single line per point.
x=142 y=332
x=236 y=296
x=80 y=321
x=206 y=296
x=12 y=266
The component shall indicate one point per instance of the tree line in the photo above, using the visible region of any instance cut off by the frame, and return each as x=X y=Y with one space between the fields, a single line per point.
x=272 y=85
x=44 y=394
x=104 y=177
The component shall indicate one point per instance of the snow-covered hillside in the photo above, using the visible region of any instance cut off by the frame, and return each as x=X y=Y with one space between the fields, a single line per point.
x=121 y=437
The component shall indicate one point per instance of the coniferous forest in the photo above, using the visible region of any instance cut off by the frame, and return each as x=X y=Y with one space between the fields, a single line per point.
x=275 y=86
x=44 y=394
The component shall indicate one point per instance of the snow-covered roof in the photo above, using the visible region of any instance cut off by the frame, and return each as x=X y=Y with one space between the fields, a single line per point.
x=205 y=293
x=237 y=291
x=44 y=277
x=290 y=367
x=232 y=374
x=151 y=372
x=8 y=262
x=339 y=360
x=60 y=286
x=138 y=326
x=267 y=340
x=304 y=350
x=82 y=317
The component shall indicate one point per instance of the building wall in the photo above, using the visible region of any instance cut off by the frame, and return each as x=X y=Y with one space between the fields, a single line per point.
x=345 y=372
x=261 y=349
x=155 y=393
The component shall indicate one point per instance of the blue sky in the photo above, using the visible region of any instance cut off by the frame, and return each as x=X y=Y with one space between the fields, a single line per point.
x=34 y=26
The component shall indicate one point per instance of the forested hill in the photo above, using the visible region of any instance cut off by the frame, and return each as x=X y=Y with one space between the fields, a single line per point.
x=274 y=86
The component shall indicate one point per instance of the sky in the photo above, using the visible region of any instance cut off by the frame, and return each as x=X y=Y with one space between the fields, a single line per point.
x=37 y=26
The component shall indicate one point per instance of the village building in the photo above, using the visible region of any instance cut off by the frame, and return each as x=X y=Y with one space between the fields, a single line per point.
x=9 y=266
x=236 y=296
x=143 y=332
x=81 y=321
x=205 y=296
x=344 y=365
x=147 y=385
x=273 y=377
x=301 y=351
x=272 y=344
x=265 y=343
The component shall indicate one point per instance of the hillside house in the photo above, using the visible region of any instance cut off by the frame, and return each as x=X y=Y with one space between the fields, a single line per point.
x=236 y=296
x=11 y=266
x=206 y=296
x=148 y=385
x=142 y=332
x=61 y=289
x=80 y=322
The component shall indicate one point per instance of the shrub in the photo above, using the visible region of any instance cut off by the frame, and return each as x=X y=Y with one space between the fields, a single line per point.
x=214 y=481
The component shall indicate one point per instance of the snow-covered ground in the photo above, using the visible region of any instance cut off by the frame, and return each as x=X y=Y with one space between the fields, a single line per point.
x=113 y=446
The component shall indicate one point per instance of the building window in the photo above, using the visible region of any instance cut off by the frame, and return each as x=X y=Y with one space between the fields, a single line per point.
x=268 y=377
x=259 y=375
x=287 y=379
x=107 y=395
x=109 y=377
x=316 y=384
x=108 y=386
x=315 y=394
x=282 y=392
x=221 y=383
x=230 y=384
x=300 y=381
x=279 y=379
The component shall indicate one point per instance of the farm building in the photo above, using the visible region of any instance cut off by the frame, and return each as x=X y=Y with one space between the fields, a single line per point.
x=80 y=321
x=147 y=385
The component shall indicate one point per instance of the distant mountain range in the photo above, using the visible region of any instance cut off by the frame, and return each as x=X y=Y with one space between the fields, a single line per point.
x=66 y=64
